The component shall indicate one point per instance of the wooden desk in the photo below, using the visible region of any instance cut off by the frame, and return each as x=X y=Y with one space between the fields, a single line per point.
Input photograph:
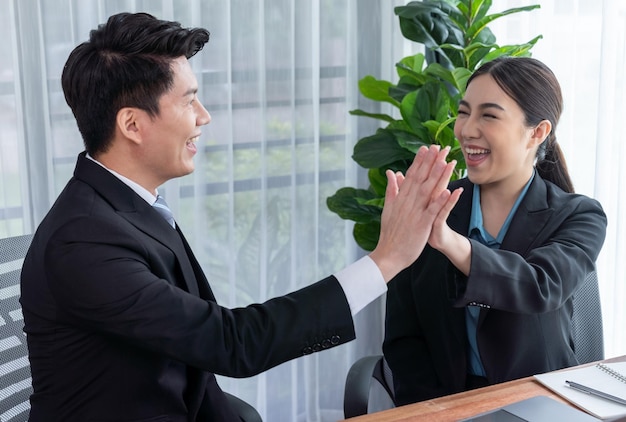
x=469 y=403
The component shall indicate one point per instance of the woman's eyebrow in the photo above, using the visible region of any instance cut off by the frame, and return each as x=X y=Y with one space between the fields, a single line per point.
x=483 y=105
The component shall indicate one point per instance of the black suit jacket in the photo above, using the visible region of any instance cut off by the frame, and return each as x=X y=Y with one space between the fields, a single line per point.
x=122 y=325
x=524 y=290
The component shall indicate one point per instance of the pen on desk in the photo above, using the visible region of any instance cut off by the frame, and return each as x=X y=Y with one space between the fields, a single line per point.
x=594 y=392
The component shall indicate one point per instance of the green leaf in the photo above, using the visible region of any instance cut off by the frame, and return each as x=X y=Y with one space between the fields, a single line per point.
x=410 y=78
x=348 y=203
x=461 y=75
x=480 y=24
x=367 y=235
x=476 y=51
x=442 y=132
x=402 y=90
x=398 y=125
x=379 y=150
x=415 y=110
x=379 y=116
x=412 y=142
x=441 y=72
x=432 y=101
x=480 y=9
x=464 y=9
x=443 y=111
x=454 y=47
x=412 y=65
x=519 y=50
x=423 y=22
x=378 y=181
x=377 y=90
x=471 y=49
x=376 y=202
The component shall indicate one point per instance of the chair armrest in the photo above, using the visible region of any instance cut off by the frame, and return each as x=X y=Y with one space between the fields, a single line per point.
x=358 y=382
x=245 y=410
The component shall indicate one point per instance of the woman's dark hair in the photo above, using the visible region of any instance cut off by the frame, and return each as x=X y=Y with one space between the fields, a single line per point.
x=126 y=63
x=533 y=86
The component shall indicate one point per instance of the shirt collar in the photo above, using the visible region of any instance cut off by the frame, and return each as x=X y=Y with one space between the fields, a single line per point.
x=136 y=187
x=476 y=226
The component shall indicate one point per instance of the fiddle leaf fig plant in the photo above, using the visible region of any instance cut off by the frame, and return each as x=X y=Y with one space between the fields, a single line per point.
x=424 y=100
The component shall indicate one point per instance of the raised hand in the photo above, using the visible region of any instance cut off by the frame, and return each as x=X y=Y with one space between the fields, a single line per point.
x=412 y=203
x=454 y=246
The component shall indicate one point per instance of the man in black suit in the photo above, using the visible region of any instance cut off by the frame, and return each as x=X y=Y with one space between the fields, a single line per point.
x=121 y=322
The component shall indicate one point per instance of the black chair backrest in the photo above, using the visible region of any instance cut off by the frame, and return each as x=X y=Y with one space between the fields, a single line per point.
x=587 y=337
x=15 y=381
x=358 y=384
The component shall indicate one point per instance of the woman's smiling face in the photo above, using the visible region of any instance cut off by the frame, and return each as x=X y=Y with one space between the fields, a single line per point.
x=498 y=147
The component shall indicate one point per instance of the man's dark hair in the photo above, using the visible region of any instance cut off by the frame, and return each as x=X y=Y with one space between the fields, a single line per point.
x=125 y=63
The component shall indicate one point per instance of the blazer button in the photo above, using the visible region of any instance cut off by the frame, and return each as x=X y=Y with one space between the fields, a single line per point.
x=317 y=347
x=326 y=344
x=334 y=340
x=307 y=350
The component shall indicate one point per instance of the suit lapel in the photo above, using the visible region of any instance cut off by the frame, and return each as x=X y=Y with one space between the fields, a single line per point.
x=205 y=291
x=530 y=218
x=139 y=213
x=519 y=237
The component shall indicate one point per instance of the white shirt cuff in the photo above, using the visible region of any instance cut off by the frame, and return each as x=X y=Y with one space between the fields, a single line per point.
x=362 y=283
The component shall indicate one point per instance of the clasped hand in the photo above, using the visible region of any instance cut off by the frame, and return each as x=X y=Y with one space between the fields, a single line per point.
x=413 y=203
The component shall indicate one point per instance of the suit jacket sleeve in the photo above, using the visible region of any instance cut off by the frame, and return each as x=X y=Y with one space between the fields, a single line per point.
x=118 y=283
x=542 y=260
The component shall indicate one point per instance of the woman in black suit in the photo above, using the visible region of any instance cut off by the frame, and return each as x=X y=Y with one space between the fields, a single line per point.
x=490 y=298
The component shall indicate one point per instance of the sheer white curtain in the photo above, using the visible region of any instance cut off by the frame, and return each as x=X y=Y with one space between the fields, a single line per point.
x=278 y=77
x=585 y=45
x=610 y=182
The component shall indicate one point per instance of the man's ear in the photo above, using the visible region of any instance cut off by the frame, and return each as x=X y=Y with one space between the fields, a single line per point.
x=128 y=124
x=540 y=133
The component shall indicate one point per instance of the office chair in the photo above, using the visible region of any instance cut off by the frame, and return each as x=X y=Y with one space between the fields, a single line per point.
x=588 y=343
x=245 y=410
x=15 y=380
x=359 y=382
x=588 y=338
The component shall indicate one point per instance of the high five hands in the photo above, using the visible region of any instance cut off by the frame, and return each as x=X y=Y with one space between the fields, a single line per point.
x=413 y=203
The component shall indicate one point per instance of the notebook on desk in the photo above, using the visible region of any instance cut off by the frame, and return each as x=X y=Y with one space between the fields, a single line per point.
x=608 y=378
x=534 y=409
